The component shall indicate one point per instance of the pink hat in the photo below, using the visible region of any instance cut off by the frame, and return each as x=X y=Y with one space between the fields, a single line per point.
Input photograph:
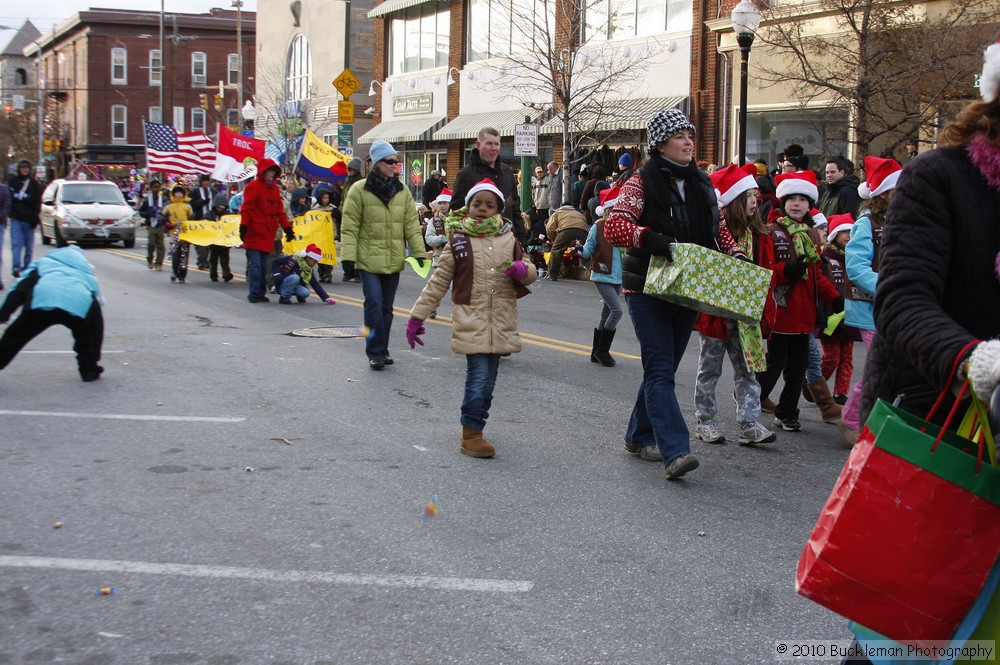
x=880 y=176
x=732 y=181
x=798 y=182
x=314 y=252
x=608 y=197
x=444 y=196
x=818 y=218
x=840 y=223
x=989 y=82
x=484 y=185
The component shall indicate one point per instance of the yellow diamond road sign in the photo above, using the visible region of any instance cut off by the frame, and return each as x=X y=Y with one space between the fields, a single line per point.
x=347 y=83
x=345 y=112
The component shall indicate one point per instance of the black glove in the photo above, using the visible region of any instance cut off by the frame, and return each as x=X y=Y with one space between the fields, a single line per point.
x=289 y=234
x=657 y=244
x=243 y=232
x=795 y=269
x=348 y=267
x=420 y=261
x=838 y=305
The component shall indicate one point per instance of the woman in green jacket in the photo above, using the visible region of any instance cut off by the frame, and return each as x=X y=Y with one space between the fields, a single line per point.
x=379 y=221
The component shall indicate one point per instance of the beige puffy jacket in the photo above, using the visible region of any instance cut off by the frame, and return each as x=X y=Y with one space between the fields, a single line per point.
x=488 y=324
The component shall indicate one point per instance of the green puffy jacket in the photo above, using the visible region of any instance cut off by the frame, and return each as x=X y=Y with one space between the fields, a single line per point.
x=375 y=235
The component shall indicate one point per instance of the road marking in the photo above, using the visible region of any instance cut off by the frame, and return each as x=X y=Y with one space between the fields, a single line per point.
x=269 y=575
x=404 y=313
x=123 y=416
x=103 y=351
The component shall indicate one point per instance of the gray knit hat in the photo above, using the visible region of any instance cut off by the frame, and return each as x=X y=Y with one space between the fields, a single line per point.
x=665 y=124
x=355 y=164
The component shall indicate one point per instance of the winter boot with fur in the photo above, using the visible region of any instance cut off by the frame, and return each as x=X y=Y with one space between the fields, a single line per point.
x=604 y=347
x=829 y=410
x=474 y=445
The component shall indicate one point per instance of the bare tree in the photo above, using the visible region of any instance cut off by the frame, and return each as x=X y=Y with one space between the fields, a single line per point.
x=892 y=64
x=560 y=58
x=19 y=137
x=273 y=120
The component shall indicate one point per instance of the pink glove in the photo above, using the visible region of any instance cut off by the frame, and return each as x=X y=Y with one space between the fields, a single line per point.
x=331 y=301
x=414 y=328
x=517 y=271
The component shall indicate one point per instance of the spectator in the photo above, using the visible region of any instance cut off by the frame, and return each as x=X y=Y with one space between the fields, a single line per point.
x=432 y=187
x=565 y=228
x=555 y=187
x=841 y=196
x=625 y=170
x=25 y=215
x=485 y=163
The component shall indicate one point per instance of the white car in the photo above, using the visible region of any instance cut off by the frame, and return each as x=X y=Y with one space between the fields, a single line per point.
x=87 y=211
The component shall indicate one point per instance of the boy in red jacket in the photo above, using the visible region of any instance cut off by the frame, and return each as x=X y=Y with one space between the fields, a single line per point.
x=799 y=283
x=262 y=212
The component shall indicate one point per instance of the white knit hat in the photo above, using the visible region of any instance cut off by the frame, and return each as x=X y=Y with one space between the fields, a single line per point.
x=989 y=83
x=484 y=185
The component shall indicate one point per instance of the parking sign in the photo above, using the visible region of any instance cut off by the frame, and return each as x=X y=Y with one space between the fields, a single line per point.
x=526 y=140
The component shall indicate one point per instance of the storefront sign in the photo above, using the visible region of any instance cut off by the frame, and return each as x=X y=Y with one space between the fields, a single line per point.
x=413 y=104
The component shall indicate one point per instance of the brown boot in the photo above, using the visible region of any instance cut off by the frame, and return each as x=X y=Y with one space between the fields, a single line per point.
x=850 y=435
x=474 y=445
x=828 y=409
x=766 y=405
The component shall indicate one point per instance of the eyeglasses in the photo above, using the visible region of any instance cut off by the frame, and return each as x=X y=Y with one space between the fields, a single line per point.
x=391 y=162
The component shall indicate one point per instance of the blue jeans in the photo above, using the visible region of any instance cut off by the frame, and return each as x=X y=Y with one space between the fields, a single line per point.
x=256 y=270
x=611 y=312
x=480 y=378
x=291 y=285
x=380 y=293
x=22 y=240
x=814 y=372
x=663 y=330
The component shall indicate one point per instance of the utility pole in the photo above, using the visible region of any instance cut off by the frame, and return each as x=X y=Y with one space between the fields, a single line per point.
x=163 y=113
x=239 y=50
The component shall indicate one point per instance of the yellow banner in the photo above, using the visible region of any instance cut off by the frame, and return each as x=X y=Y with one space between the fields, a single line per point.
x=225 y=231
x=315 y=227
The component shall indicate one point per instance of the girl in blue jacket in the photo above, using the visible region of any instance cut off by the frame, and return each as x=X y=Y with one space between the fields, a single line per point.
x=606 y=274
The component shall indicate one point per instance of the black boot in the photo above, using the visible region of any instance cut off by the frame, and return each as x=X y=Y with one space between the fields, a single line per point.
x=597 y=341
x=604 y=348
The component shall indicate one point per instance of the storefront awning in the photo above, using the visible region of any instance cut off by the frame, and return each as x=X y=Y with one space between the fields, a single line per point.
x=393 y=6
x=467 y=125
x=617 y=115
x=415 y=129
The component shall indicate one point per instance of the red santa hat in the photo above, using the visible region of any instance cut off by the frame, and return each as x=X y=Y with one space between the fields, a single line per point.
x=818 y=218
x=484 y=185
x=989 y=82
x=314 y=252
x=732 y=181
x=880 y=176
x=839 y=223
x=797 y=182
x=609 y=197
x=444 y=196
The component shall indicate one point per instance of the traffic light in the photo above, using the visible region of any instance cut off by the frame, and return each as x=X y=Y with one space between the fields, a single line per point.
x=8 y=108
x=218 y=102
x=203 y=101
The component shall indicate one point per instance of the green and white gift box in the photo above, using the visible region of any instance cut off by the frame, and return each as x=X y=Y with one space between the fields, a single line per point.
x=709 y=281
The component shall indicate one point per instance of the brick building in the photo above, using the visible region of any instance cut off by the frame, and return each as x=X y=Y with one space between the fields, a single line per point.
x=103 y=73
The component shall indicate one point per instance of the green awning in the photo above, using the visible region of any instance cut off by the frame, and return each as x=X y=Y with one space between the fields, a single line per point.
x=614 y=115
x=467 y=125
x=414 y=129
x=394 y=6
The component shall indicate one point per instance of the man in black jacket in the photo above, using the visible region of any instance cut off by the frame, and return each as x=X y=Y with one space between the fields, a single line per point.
x=152 y=204
x=484 y=162
x=432 y=188
x=201 y=203
x=25 y=214
x=841 y=195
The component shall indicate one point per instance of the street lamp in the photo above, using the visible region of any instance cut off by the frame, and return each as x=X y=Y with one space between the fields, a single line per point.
x=746 y=20
x=249 y=114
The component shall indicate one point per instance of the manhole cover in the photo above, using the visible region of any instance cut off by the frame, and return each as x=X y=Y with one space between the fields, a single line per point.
x=330 y=331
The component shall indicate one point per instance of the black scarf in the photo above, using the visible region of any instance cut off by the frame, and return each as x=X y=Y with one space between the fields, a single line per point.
x=698 y=226
x=383 y=188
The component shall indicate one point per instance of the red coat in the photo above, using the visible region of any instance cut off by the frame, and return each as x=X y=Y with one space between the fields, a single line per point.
x=263 y=210
x=797 y=299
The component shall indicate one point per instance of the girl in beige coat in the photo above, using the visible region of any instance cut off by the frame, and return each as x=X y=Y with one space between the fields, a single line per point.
x=482 y=265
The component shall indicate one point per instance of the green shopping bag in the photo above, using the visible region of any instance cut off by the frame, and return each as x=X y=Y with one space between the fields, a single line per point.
x=709 y=281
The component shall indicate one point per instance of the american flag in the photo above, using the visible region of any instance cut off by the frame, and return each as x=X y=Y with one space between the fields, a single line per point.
x=168 y=151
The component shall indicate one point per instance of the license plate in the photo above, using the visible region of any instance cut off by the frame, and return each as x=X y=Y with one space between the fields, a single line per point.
x=101 y=232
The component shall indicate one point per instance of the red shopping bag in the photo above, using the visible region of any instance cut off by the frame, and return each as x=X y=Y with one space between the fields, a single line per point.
x=909 y=533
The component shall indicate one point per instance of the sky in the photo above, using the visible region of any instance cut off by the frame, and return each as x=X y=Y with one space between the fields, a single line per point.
x=47 y=13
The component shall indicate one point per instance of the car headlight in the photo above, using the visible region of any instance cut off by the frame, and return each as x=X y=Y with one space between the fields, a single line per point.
x=127 y=220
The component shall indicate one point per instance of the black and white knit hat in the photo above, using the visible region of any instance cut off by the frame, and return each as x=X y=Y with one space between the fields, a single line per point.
x=665 y=124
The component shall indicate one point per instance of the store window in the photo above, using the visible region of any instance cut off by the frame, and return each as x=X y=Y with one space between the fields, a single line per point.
x=298 y=70
x=621 y=19
x=504 y=27
x=418 y=39
x=820 y=132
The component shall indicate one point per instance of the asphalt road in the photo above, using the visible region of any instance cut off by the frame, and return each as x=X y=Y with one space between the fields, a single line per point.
x=562 y=549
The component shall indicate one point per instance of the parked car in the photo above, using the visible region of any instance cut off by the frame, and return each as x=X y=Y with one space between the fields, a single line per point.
x=87 y=211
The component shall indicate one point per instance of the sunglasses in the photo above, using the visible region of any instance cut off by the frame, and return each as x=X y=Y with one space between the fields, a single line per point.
x=391 y=162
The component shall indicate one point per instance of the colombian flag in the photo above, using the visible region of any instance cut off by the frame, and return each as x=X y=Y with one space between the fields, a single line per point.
x=320 y=161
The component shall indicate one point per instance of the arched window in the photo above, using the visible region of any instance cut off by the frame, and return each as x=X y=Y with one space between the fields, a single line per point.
x=298 y=70
x=22 y=76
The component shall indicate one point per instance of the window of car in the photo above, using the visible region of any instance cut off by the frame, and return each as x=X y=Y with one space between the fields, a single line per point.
x=91 y=192
x=50 y=192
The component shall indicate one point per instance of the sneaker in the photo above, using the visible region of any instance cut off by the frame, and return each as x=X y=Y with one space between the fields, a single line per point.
x=840 y=399
x=681 y=465
x=709 y=432
x=285 y=301
x=180 y=280
x=788 y=424
x=149 y=266
x=754 y=433
x=648 y=453
x=300 y=298
x=767 y=406
x=16 y=273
